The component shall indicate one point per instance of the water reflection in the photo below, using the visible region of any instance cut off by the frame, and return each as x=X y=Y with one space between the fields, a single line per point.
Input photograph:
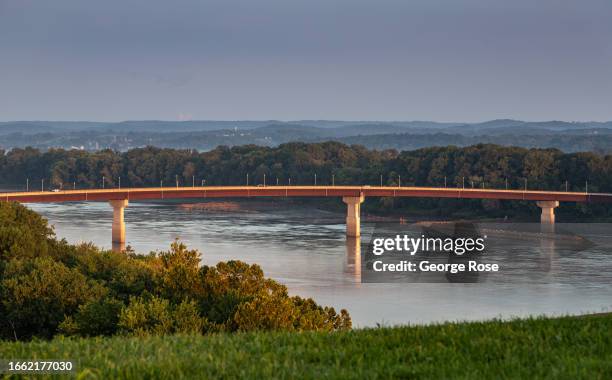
x=353 y=257
x=547 y=247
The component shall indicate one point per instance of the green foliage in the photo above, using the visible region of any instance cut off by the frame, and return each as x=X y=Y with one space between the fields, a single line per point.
x=146 y=316
x=99 y=317
x=563 y=348
x=180 y=269
x=38 y=293
x=273 y=312
x=482 y=164
x=17 y=241
x=84 y=291
x=157 y=316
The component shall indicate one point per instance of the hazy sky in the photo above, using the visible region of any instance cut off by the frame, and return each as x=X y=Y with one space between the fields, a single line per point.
x=445 y=60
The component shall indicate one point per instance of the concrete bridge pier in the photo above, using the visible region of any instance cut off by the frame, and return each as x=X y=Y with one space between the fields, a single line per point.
x=119 y=206
x=353 y=215
x=548 y=211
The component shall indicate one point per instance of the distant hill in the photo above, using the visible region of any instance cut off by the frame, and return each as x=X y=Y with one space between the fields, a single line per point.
x=207 y=134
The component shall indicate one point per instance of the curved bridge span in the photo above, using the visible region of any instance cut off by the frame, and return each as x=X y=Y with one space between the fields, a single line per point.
x=353 y=196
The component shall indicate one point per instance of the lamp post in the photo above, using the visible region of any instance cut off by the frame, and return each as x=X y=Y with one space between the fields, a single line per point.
x=333 y=180
x=103 y=182
x=42 y=185
x=27 y=184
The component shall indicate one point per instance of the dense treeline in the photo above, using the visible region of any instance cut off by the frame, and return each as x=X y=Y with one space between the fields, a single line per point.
x=479 y=165
x=50 y=287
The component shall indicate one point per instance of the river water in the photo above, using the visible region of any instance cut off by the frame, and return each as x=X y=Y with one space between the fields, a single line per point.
x=306 y=249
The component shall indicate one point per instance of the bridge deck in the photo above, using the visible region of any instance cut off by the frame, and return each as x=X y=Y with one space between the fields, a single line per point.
x=93 y=195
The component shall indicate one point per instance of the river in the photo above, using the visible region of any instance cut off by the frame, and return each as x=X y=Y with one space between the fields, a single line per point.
x=305 y=249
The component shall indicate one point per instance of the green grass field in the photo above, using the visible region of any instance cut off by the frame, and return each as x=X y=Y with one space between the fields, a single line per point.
x=569 y=347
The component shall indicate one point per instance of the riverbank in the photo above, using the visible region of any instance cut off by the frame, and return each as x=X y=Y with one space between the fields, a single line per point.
x=568 y=347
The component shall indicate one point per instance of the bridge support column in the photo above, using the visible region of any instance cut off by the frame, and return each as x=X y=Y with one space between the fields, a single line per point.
x=118 y=223
x=548 y=211
x=353 y=215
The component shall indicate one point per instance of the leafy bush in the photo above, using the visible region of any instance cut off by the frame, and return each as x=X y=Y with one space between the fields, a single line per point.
x=50 y=287
x=23 y=233
x=99 y=317
x=38 y=293
x=157 y=316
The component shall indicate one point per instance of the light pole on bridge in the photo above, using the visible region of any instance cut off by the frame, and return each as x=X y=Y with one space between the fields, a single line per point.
x=27 y=184
x=315 y=179
x=333 y=180
x=120 y=182
x=103 y=182
x=247 y=176
x=42 y=185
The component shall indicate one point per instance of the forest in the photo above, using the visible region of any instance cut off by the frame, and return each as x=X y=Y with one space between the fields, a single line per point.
x=481 y=165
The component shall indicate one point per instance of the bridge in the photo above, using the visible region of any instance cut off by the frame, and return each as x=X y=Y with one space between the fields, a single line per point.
x=353 y=196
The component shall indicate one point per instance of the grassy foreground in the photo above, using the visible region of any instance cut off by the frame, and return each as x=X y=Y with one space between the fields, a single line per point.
x=569 y=347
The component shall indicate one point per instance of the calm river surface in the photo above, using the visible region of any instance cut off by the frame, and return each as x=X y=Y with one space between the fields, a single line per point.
x=306 y=250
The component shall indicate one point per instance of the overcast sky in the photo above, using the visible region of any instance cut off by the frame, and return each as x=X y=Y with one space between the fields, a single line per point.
x=444 y=60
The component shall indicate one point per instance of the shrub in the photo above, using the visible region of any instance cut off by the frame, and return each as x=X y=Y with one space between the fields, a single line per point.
x=156 y=316
x=179 y=276
x=273 y=312
x=38 y=293
x=98 y=317
x=23 y=233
